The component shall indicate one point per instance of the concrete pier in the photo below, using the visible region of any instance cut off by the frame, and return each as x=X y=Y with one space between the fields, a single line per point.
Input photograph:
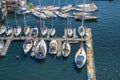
x=90 y=56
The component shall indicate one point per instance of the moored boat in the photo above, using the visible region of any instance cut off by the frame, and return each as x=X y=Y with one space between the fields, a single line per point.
x=27 y=45
x=66 y=49
x=27 y=31
x=53 y=47
x=41 y=50
x=2 y=29
x=52 y=31
x=81 y=31
x=80 y=58
x=9 y=30
x=35 y=32
x=18 y=31
x=23 y=11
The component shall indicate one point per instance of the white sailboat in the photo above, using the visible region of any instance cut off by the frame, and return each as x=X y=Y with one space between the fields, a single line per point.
x=9 y=30
x=80 y=58
x=18 y=31
x=2 y=29
x=27 y=45
x=1 y=45
x=44 y=29
x=70 y=31
x=53 y=47
x=66 y=49
x=81 y=31
x=41 y=50
x=35 y=32
x=52 y=30
x=19 y=28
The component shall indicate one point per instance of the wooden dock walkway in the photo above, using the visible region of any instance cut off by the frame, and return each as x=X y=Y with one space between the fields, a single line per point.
x=90 y=56
x=7 y=44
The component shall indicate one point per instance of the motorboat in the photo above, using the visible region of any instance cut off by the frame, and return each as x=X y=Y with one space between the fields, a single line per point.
x=80 y=58
x=44 y=31
x=52 y=31
x=9 y=30
x=2 y=29
x=62 y=15
x=69 y=32
x=49 y=13
x=66 y=7
x=87 y=17
x=55 y=8
x=22 y=2
x=39 y=15
x=90 y=7
x=66 y=49
x=1 y=45
x=82 y=13
x=35 y=32
x=18 y=31
x=27 y=31
x=27 y=45
x=53 y=47
x=41 y=50
x=23 y=11
x=81 y=31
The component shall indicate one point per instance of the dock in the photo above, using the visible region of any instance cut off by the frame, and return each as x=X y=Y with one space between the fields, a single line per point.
x=90 y=56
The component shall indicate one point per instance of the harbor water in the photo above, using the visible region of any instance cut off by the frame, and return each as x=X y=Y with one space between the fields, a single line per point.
x=106 y=45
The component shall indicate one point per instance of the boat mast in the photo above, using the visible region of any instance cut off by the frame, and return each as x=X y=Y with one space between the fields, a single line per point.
x=40 y=17
x=83 y=17
x=24 y=20
x=6 y=20
x=15 y=17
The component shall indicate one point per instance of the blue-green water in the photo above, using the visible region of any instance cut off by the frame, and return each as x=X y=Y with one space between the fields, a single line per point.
x=106 y=43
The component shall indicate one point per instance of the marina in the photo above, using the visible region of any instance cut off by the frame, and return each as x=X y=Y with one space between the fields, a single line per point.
x=37 y=44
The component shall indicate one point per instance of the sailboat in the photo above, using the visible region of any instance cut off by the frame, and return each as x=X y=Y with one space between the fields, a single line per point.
x=66 y=49
x=2 y=29
x=1 y=45
x=41 y=50
x=81 y=31
x=52 y=30
x=70 y=31
x=35 y=32
x=53 y=47
x=19 y=28
x=27 y=45
x=80 y=58
x=18 y=31
x=44 y=29
x=26 y=28
x=9 y=30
